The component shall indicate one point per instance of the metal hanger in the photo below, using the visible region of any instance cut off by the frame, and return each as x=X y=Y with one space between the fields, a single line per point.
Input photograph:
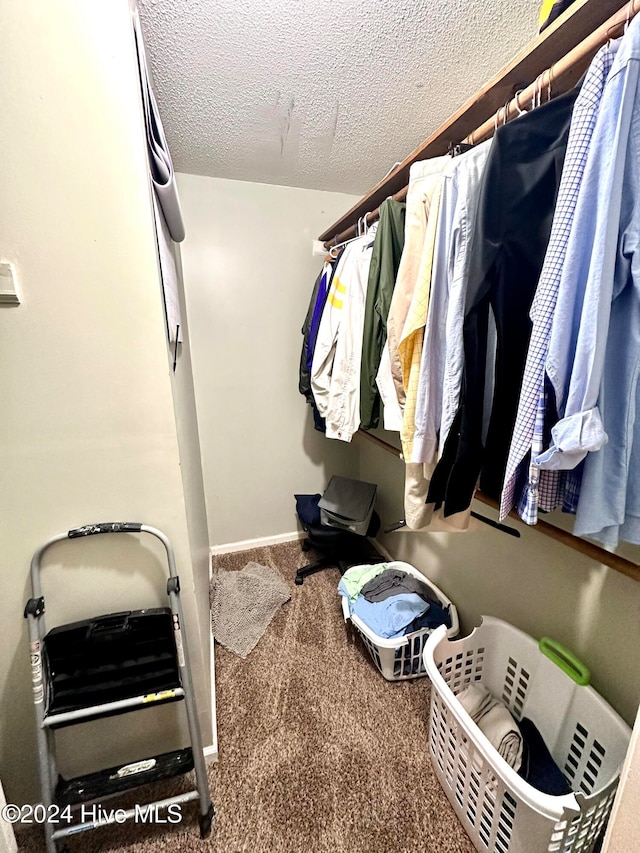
x=521 y=110
x=504 y=111
x=630 y=10
x=613 y=32
x=536 y=99
x=333 y=251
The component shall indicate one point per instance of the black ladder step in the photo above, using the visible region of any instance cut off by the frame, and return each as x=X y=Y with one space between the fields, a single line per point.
x=116 y=657
x=116 y=780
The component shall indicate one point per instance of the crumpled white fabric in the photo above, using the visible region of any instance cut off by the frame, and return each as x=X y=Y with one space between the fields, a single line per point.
x=495 y=721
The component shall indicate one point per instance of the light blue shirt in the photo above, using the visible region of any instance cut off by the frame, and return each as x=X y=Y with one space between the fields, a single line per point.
x=609 y=505
x=390 y=617
x=442 y=358
x=575 y=361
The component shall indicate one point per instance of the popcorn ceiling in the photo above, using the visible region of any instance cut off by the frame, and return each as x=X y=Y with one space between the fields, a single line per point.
x=314 y=93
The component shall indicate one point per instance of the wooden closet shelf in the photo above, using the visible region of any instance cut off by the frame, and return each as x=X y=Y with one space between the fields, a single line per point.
x=561 y=53
x=582 y=546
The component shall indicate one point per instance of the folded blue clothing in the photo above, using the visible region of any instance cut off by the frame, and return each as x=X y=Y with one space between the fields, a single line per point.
x=390 y=617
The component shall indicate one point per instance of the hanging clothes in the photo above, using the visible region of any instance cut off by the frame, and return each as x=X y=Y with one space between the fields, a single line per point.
x=318 y=298
x=516 y=205
x=329 y=326
x=412 y=337
x=423 y=179
x=321 y=294
x=391 y=411
x=454 y=223
x=545 y=489
x=407 y=316
x=594 y=351
x=309 y=336
x=385 y=260
x=335 y=370
x=343 y=409
x=532 y=238
x=443 y=351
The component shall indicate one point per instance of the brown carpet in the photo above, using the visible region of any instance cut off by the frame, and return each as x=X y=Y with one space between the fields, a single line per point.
x=317 y=751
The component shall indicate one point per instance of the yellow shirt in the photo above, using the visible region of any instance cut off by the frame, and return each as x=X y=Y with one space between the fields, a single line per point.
x=423 y=177
x=412 y=338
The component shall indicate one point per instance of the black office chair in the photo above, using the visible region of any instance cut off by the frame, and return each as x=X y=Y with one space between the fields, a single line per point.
x=338 y=548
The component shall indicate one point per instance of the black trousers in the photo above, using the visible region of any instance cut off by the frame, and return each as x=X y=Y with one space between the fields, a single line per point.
x=516 y=204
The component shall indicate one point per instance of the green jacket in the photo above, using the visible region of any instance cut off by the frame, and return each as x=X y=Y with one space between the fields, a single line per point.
x=385 y=260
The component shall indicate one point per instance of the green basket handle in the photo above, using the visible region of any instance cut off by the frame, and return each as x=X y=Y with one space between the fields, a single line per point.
x=566 y=660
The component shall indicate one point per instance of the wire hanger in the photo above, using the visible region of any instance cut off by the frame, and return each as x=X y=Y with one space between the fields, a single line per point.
x=395 y=166
x=360 y=227
x=505 y=114
x=549 y=72
x=630 y=10
x=539 y=85
x=536 y=99
x=334 y=251
x=521 y=110
x=503 y=110
x=613 y=32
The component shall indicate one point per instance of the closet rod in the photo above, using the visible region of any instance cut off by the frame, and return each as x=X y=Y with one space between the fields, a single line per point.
x=582 y=546
x=563 y=74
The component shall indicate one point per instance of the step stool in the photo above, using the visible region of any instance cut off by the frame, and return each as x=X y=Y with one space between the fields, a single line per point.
x=111 y=664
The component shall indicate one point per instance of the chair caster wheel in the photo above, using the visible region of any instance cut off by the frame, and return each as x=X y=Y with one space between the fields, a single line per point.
x=299 y=581
x=206 y=821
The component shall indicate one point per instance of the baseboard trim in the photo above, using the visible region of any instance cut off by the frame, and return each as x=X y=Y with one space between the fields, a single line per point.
x=210 y=754
x=265 y=541
x=261 y=542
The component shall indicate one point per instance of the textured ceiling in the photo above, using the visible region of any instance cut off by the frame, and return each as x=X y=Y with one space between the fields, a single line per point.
x=318 y=93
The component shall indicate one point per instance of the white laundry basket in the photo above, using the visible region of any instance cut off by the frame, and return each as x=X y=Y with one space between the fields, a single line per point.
x=588 y=741
x=400 y=658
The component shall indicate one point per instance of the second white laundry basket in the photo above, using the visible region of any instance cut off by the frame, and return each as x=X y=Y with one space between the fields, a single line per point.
x=501 y=812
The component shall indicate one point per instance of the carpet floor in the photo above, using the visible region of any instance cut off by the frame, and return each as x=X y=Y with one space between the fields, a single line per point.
x=317 y=752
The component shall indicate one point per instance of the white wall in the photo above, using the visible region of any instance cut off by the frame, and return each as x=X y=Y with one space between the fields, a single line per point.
x=249 y=273
x=193 y=484
x=623 y=832
x=87 y=431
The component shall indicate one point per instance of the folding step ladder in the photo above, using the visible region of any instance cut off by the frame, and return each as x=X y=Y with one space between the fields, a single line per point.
x=108 y=665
